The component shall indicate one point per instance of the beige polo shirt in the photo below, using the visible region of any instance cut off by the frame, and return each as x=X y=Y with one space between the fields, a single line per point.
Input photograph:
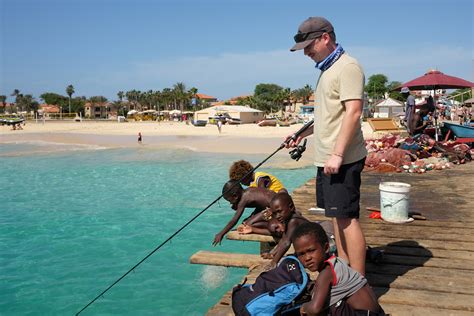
x=343 y=81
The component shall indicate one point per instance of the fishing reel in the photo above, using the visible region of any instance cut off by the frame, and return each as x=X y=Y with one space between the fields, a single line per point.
x=298 y=151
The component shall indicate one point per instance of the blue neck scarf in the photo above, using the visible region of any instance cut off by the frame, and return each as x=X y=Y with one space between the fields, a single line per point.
x=331 y=59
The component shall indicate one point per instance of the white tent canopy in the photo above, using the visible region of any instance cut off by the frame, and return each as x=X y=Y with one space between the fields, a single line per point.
x=389 y=102
x=388 y=108
x=244 y=113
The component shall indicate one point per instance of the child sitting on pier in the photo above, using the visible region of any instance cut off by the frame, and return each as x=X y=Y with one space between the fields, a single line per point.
x=259 y=198
x=258 y=179
x=338 y=288
x=283 y=209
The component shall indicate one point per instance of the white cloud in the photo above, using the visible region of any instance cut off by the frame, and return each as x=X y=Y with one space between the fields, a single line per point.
x=231 y=74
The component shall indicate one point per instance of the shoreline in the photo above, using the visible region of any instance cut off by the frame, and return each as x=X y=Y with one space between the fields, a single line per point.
x=235 y=139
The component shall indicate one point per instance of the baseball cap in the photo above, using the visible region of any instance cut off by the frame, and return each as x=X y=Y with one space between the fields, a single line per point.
x=405 y=90
x=309 y=30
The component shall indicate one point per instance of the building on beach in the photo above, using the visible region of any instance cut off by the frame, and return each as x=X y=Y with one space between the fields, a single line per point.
x=243 y=113
x=388 y=108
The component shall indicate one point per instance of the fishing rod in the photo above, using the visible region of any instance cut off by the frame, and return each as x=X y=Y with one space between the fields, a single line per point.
x=294 y=137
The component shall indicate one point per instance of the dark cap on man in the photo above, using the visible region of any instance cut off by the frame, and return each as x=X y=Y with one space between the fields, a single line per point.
x=309 y=30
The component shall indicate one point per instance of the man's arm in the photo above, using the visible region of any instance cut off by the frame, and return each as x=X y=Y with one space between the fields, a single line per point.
x=350 y=123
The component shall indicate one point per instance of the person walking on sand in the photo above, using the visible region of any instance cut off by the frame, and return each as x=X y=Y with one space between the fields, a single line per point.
x=219 y=125
x=139 y=137
x=339 y=144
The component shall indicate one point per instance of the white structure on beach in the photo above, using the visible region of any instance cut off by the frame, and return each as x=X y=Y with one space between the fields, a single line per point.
x=388 y=108
x=244 y=113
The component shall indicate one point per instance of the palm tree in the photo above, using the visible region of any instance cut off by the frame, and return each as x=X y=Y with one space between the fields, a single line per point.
x=70 y=91
x=179 y=93
x=17 y=95
x=192 y=94
x=120 y=95
x=3 y=98
x=166 y=97
x=306 y=93
x=119 y=104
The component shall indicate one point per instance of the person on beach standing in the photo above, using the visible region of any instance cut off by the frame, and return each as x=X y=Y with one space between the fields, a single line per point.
x=410 y=105
x=219 y=125
x=139 y=137
x=339 y=144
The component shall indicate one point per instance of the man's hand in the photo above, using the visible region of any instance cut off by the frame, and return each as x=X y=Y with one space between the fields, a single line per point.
x=290 y=142
x=332 y=165
x=217 y=239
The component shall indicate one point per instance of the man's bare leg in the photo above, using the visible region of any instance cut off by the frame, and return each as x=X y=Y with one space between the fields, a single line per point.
x=350 y=242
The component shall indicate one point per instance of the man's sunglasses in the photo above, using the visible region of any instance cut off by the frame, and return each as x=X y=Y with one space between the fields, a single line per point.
x=301 y=37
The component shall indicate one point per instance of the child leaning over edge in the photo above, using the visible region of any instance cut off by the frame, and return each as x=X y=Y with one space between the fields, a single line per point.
x=257 y=179
x=240 y=199
x=338 y=288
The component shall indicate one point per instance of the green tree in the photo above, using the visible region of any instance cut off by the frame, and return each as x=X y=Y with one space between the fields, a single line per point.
x=119 y=103
x=70 y=91
x=376 y=86
x=98 y=99
x=16 y=93
x=393 y=92
x=3 y=99
x=265 y=95
x=180 y=95
x=461 y=94
x=192 y=95
x=132 y=97
x=120 y=95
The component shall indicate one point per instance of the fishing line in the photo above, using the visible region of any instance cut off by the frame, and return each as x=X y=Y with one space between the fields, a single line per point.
x=283 y=145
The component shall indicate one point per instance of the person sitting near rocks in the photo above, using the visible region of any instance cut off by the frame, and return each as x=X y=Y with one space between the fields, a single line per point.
x=418 y=124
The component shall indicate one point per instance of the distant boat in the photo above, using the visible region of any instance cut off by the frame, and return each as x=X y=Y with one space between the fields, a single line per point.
x=460 y=131
x=272 y=122
x=200 y=123
x=11 y=121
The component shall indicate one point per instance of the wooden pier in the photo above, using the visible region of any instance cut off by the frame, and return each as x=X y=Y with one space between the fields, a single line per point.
x=428 y=265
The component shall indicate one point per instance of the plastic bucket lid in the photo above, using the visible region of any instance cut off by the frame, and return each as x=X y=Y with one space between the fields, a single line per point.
x=396 y=187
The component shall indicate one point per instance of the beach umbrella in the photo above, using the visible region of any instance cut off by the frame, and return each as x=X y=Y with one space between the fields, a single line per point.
x=434 y=79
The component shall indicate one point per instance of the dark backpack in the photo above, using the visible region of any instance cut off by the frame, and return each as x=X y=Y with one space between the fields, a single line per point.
x=275 y=292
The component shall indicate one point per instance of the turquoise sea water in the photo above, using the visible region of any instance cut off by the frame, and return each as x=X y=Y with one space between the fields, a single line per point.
x=75 y=218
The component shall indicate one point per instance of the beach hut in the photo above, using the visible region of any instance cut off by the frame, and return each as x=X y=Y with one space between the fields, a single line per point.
x=243 y=113
x=388 y=108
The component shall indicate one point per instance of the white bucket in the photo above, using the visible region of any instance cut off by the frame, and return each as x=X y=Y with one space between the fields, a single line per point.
x=394 y=201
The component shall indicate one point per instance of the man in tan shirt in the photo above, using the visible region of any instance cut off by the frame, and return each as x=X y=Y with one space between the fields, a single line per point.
x=339 y=144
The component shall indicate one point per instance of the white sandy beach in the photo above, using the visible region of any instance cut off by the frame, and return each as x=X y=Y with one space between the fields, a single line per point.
x=244 y=139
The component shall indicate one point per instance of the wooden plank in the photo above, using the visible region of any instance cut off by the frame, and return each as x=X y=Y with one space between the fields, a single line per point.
x=409 y=310
x=459 y=264
x=414 y=281
x=429 y=272
x=423 y=252
x=236 y=260
x=453 y=301
x=425 y=243
x=234 y=235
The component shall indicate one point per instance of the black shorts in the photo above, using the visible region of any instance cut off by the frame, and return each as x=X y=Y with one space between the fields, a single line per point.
x=339 y=194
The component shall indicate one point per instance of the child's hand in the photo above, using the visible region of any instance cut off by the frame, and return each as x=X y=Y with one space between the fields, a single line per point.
x=267 y=255
x=217 y=239
x=271 y=265
x=244 y=229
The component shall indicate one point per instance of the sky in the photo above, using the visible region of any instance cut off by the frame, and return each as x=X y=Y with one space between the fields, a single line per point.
x=224 y=48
